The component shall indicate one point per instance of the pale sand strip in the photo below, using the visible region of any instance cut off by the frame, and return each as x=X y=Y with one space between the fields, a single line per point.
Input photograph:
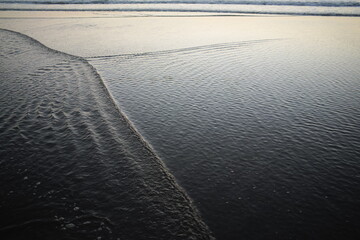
x=90 y=34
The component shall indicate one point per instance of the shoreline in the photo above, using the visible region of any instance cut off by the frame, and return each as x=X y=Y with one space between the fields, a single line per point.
x=225 y=13
x=74 y=13
x=221 y=8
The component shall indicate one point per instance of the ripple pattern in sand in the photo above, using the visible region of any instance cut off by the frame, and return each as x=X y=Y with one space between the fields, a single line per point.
x=71 y=168
x=263 y=135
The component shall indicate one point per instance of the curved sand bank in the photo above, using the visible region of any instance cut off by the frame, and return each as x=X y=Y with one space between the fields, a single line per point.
x=72 y=168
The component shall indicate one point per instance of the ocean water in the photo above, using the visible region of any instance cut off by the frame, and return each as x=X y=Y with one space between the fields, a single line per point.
x=264 y=135
x=299 y=7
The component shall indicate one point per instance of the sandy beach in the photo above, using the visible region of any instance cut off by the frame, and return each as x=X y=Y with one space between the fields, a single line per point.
x=58 y=111
x=179 y=125
x=89 y=34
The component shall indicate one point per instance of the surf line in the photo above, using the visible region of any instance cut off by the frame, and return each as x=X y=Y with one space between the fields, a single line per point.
x=170 y=178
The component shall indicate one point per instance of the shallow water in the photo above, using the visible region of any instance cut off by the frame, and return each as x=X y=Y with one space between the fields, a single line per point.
x=71 y=166
x=263 y=134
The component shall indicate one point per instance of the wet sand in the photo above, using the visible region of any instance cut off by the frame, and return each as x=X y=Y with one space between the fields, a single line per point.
x=71 y=166
x=299 y=71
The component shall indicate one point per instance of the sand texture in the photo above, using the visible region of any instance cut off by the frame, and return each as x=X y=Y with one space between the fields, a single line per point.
x=73 y=167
